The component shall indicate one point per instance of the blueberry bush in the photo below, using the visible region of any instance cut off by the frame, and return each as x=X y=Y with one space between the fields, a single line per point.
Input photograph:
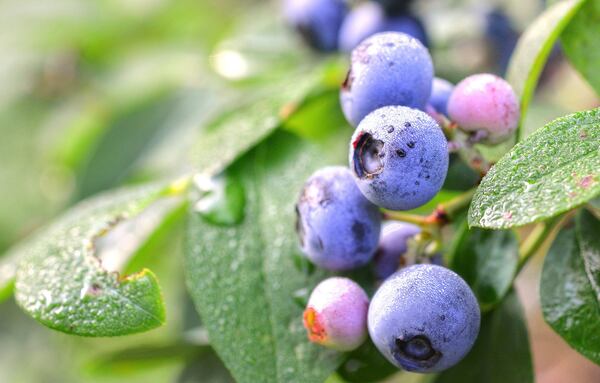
x=297 y=191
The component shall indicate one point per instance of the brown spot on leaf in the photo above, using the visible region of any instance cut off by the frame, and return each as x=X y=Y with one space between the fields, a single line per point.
x=586 y=181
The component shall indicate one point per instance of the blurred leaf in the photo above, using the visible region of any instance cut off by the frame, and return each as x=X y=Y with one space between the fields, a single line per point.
x=581 y=42
x=366 y=364
x=533 y=49
x=240 y=129
x=68 y=277
x=554 y=170
x=138 y=358
x=243 y=278
x=501 y=353
x=569 y=287
x=129 y=134
x=208 y=368
x=460 y=176
x=487 y=260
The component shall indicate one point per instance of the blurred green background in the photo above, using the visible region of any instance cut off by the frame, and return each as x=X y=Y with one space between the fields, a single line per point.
x=96 y=94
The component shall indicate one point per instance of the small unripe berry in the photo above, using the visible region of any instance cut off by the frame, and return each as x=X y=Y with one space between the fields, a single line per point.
x=424 y=318
x=336 y=314
x=487 y=105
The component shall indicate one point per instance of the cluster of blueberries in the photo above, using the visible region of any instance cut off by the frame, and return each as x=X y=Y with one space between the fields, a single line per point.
x=329 y=25
x=423 y=317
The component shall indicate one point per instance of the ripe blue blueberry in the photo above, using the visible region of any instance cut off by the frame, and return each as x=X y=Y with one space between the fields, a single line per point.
x=388 y=68
x=440 y=93
x=424 y=318
x=336 y=314
x=317 y=21
x=399 y=157
x=393 y=245
x=370 y=18
x=338 y=227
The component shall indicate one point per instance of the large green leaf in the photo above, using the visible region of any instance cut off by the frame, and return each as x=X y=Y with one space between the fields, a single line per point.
x=568 y=287
x=554 y=170
x=533 y=49
x=68 y=278
x=581 y=42
x=240 y=129
x=243 y=279
x=501 y=353
x=487 y=260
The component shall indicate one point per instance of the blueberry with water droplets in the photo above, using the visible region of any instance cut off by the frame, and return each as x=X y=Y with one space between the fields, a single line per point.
x=317 y=21
x=388 y=68
x=338 y=227
x=399 y=157
x=393 y=245
x=336 y=314
x=424 y=318
x=370 y=18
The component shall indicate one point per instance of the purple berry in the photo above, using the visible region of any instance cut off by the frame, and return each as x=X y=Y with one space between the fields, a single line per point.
x=399 y=157
x=338 y=227
x=390 y=255
x=336 y=314
x=487 y=105
x=370 y=18
x=317 y=21
x=388 y=68
x=424 y=318
x=440 y=94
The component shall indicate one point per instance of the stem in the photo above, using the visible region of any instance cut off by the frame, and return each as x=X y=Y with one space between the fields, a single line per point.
x=443 y=214
x=405 y=217
x=536 y=239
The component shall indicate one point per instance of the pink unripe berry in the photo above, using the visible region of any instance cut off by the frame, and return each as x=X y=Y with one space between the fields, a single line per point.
x=336 y=314
x=487 y=105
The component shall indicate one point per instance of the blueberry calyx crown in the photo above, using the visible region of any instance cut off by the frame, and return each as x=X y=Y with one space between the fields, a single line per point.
x=367 y=156
x=415 y=353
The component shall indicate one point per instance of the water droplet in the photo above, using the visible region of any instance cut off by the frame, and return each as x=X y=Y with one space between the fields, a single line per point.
x=220 y=200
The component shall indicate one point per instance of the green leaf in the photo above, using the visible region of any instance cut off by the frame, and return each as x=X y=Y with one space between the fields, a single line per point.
x=487 y=260
x=570 y=302
x=244 y=279
x=132 y=360
x=581 y=42
x=501 y=353
x=366 y=364
x=68 y=278
x=533 y=49
x=243 y=127
x=208 y=368
x=554 y=170
x=130 y=133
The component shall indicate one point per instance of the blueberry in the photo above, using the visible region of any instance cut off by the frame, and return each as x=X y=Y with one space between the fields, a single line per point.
x=336 y=314
x=485 y=104
x=338 y=227
x=440 y=93
x=388 y=68
x=399 y=157
x=370 y=18
x=391 y=253
x=317 y=21
x=424 y=318
x=502 y=36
